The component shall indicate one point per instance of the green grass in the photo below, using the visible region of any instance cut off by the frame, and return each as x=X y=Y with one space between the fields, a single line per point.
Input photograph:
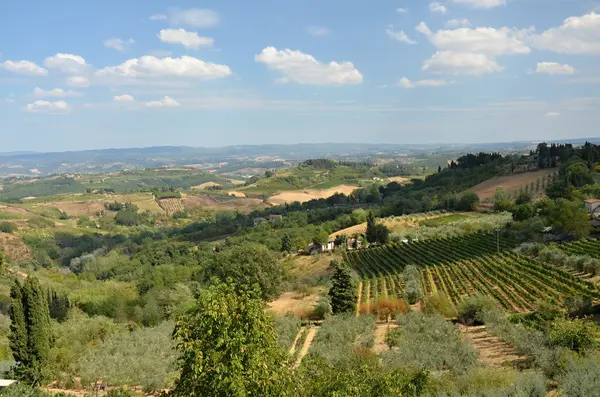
x=10 y=215
x=51 y=212
x=443 y=220
x=334 y=183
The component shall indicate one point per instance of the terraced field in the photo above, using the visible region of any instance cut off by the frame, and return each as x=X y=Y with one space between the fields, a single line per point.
x=466 y=266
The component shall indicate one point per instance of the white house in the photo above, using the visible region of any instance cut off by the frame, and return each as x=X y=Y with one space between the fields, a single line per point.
x=6 y=382
x=591 y=205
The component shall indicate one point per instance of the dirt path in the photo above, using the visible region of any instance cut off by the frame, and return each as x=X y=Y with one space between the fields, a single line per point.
x=293 y=348
x=309 y=338
x=360 y=288
x=492 y=350
x=380 y=333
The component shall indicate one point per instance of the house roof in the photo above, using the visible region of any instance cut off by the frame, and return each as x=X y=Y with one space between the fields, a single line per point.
x=6 y=382
x=592 y=201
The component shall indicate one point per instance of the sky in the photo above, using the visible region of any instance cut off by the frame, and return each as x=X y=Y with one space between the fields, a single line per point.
x=113 y=74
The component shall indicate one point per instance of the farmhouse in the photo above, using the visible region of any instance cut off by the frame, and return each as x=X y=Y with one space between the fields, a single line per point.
x=314 y=247
x=275 y=218
x=258 y=221
x=592 y=205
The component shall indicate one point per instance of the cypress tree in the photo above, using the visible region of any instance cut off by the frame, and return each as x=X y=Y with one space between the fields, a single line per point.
x=371 y=232
x=343 y=292
x=18 y=328
x=38 y=323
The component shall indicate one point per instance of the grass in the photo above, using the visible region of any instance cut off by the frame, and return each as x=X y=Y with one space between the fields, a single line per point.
x=12 y=215
x=444 y=220
x=51 y=212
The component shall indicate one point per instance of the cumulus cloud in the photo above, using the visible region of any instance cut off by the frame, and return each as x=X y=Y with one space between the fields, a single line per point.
x=458 y=23
x=301 y=68
x=118 y=44
x=24 y=67
x=78 y=82
x=552 y=114
x=123 y=98
x=189 y=40
x=553 y=68
x=149 y=66
x=406 y=83
x=399 y=36
x=194 y=17
x=437 y=7
x=401 y=10
x=167 y=102
x=481 y=3
x=55 y=93
x=40 y=106
x=318 y=31
x=465 y=63
x=473 y=50
x=577 y=35
x=67 y=63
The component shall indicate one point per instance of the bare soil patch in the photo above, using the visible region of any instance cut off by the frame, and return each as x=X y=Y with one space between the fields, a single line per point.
x=307 y=195
x=205 y=185
x=77 y=208
x=236 y=194
x=294 y=302
x=380 y=333
x=399 y=179
x=492 y=350
x=232 y=203
x=510 y=183
x=309 y=339
x=14 y=247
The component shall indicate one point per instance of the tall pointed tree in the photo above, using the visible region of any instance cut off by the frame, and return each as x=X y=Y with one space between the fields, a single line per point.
x=18 y=326
x=343 y=292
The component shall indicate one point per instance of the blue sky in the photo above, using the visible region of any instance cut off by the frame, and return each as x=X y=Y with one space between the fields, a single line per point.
x=85 y=75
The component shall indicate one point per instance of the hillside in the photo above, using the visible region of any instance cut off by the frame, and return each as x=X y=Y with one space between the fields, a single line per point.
x=512 y=184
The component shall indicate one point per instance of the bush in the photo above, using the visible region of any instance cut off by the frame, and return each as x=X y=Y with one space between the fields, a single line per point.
x=41 y=222
x=471 y=310
x=286 y=329
x=428 y=342
x=574 y=334
x=322 y=309
x=7 y=227
x=581 y=378
x=439 y=303
x=387 y=308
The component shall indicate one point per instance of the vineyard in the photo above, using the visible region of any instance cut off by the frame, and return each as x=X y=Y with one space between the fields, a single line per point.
x=171 y=205
x=582 y=247
x=465 y=266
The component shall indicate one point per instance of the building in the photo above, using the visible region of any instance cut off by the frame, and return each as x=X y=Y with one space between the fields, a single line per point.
x=258 y=221
x=592 y=205
x=6 y=382
x=275 y=218
x=314 y=247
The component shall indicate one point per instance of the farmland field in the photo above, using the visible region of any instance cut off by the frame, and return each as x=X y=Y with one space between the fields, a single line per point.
x=510 y=183
x=465 y=266
x=171 y=205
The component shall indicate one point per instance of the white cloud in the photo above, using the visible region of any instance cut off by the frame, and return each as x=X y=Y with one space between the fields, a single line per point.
x=399 y=36
x=481 y=3
x=24 y=67
x=165 y=102
x=406 y=83
x=158 y=17
x=318 y=31
x=401 y=10
x=123 y=98
x=160 y=53
x=78 y=82
x=553 y=68
x=149 y=66
x=552 y=114
x=55 y=93
x=195 y=17
x=40 y=106
x=67 y=63
x=491 y=41
x=437 y=7
x=189 y=40
x=577 y=35
x=473 y=50
x=458 y=23
x=466 y=63
x=301 y=68
x=118 y=44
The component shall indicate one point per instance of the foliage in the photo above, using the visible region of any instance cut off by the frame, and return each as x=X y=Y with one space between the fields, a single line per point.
x=249 y=265
x=441 y=304
x=8 y=227
x=145 y=357
x=575 y=334
x=501 y=201
x=376 y=233
x=286 y=329
x=412 y=284
x=22 y=390
x=469 y=201
x=581 y=378
x=30 y=336
x=471 y=310
x=570 y=217
x=228 y=347
x=428 y=342
x=342 y=293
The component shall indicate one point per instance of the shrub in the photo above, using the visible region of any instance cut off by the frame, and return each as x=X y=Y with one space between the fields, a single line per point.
x=286 y=329
x=574 y=334
x=322 y=309
x=41 y=222
x=470 y=311
x=439 y=303
x=7 y=227
x=581 y=378
x=388 y=308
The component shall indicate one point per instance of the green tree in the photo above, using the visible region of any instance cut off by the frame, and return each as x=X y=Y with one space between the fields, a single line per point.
x=342 y=293
x=501 y=200
x=469 y=201
x=370 y=234
x=31 y=334
x=228 y=347
x=523 y=198
x=523 y=212
x=286 y=243
x=248 y=264
x=570 y=217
